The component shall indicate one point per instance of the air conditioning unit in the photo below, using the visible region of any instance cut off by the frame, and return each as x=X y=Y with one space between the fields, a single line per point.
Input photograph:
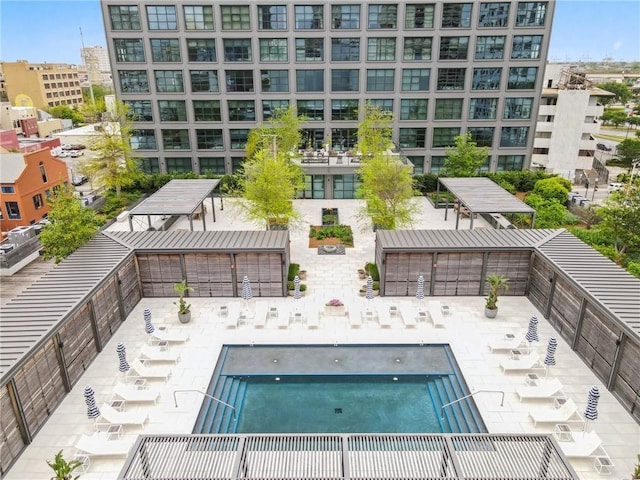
x=6 y=247
x=19 y=235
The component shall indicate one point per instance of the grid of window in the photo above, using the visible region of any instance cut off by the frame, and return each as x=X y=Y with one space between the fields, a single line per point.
x=454 y=48
x=235 y=17
x=13 y=210
x=201 y=49
x=239 y=80
x=143 y=140
x=162 y=17
x=451 y=78
x=275 y=80
x=309 y=17
x=134 y=81
x=238 y=137
x=345 y=137
x=273 y=50
x=448 y=109
x=128 y=49
x=139 y=110
x=381 y=49
x=531 y=14
x=456 y=15
x=344 y=109
x=212 y=165
x=417 y=48
x=311 y=109
x=483 y=136
x=165 y=49
x=514 y=136
x=437 y=163
x=345 y=17
x=345 y=49
x=310 y=80
x=236 y=162
x=418 y=16
x=237 y=49
x=178 y=165
x=413 y=109
x=207 y=110
x=198 y=17
x=509 y=162
x=209 y=139
x=175 y=139
x=522 y=78
x=383 y=16
x=172 y=110
x=415 y=79
x=490 y=48
x=124 y=17
x=418 y=164
x=494 y=14
x=269 y=107
x=519 y=108
x=309 y=49
x=204 y=81
x=241 y=110
x=347 y=80
x=149 y=165
x=483 y=108
x=37 y=201
x=526 y=46
x=272 y=17
x=169 y=81
x=486 y=78
x=380 y=80
x=412 y=137
x=444 y=136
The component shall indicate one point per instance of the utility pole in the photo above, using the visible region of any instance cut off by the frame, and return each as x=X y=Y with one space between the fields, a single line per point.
x=84 y=62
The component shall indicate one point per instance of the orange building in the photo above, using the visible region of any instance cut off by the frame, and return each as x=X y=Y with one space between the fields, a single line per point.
x=26 y=179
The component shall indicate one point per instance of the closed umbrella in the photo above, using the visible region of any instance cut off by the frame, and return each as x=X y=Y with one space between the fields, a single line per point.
x=420 y=289
x=591 y=412
x=90 y=399
x=247 y=294
x=369 y=292
x=148 y=326
x=532 y=331
x=122 y=357
x=550 y=358
x=296 y=290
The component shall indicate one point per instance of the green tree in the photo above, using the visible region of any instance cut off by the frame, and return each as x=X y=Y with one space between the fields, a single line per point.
x=375 y=132
x=92 y=112
x=285 y=125
x=66 y=112
x=620 y=90
x=620 y=219
x=549 y=213
x=71 y=225
x=554 y=188
x=614 y=116
x=465 y=158
x=628 y=151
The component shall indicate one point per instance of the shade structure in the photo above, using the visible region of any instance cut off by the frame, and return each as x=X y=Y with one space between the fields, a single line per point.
x=532 y=331
x=148 y=326
x=296 y=288
x=550 y=358
x=90 y=399
x=420 y=288
x=123 y=365
x=247 y=294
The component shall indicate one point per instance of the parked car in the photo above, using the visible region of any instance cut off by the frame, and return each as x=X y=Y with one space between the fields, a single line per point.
x=76 y=153
x=603 y=147
x=615 y=186
x=79 y=180
x=78 y=146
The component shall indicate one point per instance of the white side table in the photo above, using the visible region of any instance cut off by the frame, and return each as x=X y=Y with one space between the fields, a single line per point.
x=603 y=465
x=85 y=462
x=118 y=405
x=516 y=354
x=563 y=432
x=559 y=402
x=532 y=379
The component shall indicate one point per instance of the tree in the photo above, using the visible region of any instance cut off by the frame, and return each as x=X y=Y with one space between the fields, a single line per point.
x=66 y=112
x=628 y=151
x=614 y=116
x=620 y=90
x=620 y=218
x=375 y=132
x=92 y=112
x=285 y=125
x=554 y=188
x=71 y=225
x=465 y=158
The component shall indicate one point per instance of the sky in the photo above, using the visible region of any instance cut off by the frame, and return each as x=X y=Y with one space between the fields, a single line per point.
x=582 y=30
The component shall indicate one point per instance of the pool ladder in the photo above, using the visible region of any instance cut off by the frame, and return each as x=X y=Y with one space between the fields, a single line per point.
x=175 y=401
x=470 y=395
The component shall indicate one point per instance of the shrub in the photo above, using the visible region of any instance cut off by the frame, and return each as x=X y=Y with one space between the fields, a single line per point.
x=554 y=188
x=372 y=269
x=291 y=286
x=634 y=269
x=294 y=268
x=509 y=187
x=425 y=183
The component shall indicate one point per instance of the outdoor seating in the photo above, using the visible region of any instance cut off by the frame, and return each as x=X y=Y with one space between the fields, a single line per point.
x=283 y=321
x=113 y=416
x=508 y=342
x=129 y=393
x=544 y=389
x=156 y=354
x=567 y=411
x=435 y=313
x=159 y=335
x=139 y=369
x=313 y=320
x=354 y=320
x=519 y=361
x=99 y=445
x=384 y=319
x=296 y=317
x=583 y=445
x=408 y=318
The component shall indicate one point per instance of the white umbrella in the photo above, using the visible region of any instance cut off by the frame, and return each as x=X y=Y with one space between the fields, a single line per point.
x=148 y=326
x=369 y=293
x=550 y=358
x=296 y=290
x=591 y=412
x=247 y=294
x=532 y=331
x=420 y=289
x=123 y=366
x=93 y=411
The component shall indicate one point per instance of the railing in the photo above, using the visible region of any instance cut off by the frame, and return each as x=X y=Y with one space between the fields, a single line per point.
x=470 y=395
x=175 y=401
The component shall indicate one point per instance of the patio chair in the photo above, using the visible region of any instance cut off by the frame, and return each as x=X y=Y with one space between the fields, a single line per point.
x=384 y=319
x=139 y=369
x=155 y=354
x=312 y=320
x=508 y=342
x=520 y=362
x=408 y=316
x=435 y=313
x=167 y=336
x=113 y=416
x=129 y=393
x=545 y=389
x=584 y=445
x=565 y=413
x=99 y=445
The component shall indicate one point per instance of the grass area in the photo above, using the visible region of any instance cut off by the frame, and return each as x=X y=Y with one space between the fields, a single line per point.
x=613 y=138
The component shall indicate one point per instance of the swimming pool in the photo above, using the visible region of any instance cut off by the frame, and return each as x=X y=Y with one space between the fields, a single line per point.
x=331 y=389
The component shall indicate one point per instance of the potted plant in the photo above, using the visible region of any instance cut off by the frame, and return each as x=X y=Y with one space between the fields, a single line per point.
x=291 y=287
x=496 y=282
x=62 y=468
x=184 y=308
x=334 y=308
x=362 y=274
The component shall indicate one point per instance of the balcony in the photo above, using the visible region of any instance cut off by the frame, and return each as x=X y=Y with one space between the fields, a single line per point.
x=329 y=160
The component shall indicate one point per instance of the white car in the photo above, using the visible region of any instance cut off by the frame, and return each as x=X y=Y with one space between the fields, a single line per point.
x=615 y=187
x=76 y=153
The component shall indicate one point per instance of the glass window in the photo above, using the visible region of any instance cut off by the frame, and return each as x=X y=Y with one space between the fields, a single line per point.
x=201 y=49
x=415 y=79
x=483 y=108
x=486 y=78
x=310 y=80
x=165 y=49
x=143 y=140
x=241 y=110
x=454 y=48
x=275 y=80
x=519 y=108
x=309 y=17
x=207 y=110
x=437 y=163
x=198 y=17
x=483 y=136
x=312 y=109
x=490 y=48
x=235 y=17
x=494 y=14
x=522 y=78
x=531 y=14
x=236 y=162
x=149 y=165
x=383 y=16
x=510 y=162
x=272 y=17
x=345 y=137
x=309 y=49
x=418 y=164
x=13 y=210
x=178 y=165
x=381 y=49
x=413 y=109
x=162 y=17
x=139 y=110
x=456 y=15
x=128 y=49
x=448 y=109
x=238 y=138
x=124 y=17
x=345 y=80
x=526 y=46
x=204 y=81
x=209 y=139
x=169 y=81
x=417 y=48
x=445 y=136
x=384 y=104
x=346 y=186
x=514 y=136
x=345 y=49
x=345 y=17
x=412 y=137
x=451 y=78
x=213 y=165
x=175 y=139
x=237 y=49
x=418 y=15
x=134 y=81
x=344 y=109
x=239 y=80
x=37 y=201
x=172 y=110
x=269 y=107
x=273 y=50
x=380 y=80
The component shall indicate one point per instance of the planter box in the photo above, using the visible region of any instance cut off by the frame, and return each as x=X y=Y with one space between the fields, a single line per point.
x=330 y=217
x=331 y=311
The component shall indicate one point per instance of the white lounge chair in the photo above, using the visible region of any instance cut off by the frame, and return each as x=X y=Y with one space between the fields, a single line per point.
x=546 y=388
x=167 y=336
x=584 y=445
x=313 y=320
x=113 y=416
x=384 y=319
x=408 y=316
x=521 y=362
x=99 y=445
x=509 y=342
x=355 y=321
x=568 y=411
x=155 y=354
x=435 y=313
x=138 y=369
x=129 y=393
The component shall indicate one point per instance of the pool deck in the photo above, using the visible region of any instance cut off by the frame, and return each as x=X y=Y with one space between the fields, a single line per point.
x=331 y=276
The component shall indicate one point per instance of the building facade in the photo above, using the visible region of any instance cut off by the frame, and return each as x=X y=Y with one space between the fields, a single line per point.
x=199 y=77
x=96 y=63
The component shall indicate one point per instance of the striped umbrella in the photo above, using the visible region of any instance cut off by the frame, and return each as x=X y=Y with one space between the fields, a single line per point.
x=122 y=357
x=420 y=289
x=550 y=358
x=532 y=331
x=247 y=294
x=296 y=288
x=591 y=412
x=369 y=291
x=148 y=326
x=90 y=399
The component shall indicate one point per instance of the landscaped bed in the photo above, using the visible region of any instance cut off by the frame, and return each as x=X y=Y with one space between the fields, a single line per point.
x=330 y=235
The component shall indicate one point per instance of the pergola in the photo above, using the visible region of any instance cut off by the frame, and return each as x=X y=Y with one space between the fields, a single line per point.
x=480 y=195
x=177 y=198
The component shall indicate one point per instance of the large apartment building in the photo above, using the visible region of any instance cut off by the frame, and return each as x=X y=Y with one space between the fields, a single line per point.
x=199 y=76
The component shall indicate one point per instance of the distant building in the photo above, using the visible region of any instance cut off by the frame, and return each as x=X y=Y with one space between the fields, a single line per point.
x=28 y=122
x=96 y=61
